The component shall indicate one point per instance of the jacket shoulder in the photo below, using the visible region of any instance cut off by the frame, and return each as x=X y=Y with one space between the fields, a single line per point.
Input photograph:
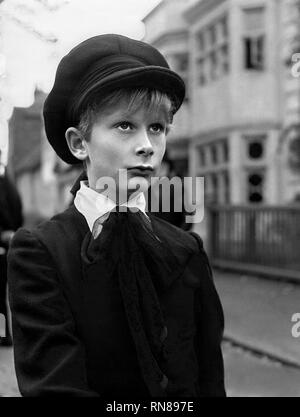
x=177 y=237
x=189 y=248
x=61 y=236
x=69 y=225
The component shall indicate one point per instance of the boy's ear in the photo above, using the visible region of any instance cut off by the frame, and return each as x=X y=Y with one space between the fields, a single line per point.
x=76 y=143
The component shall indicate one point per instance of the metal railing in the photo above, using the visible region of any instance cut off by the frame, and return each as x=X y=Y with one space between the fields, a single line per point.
x=259 y=237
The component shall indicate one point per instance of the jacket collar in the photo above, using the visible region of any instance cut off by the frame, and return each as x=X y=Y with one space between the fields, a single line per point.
x=76 y=186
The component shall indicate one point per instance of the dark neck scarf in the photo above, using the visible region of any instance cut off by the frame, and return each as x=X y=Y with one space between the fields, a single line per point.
x=144 y=265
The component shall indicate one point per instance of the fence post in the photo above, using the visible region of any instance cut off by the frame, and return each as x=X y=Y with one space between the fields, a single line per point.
x=251 y=234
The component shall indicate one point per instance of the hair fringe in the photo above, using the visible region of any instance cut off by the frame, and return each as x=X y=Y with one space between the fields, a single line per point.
x=149 y=99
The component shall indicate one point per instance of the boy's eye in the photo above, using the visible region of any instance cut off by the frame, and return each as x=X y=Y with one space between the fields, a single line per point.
x=125 y=126
x=157 y=128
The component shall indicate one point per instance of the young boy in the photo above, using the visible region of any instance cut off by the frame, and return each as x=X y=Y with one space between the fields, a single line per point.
x=107 y=302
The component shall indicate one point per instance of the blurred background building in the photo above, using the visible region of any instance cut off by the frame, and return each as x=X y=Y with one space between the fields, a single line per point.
x=43 y=179
x=239 y=126
x=242 y=99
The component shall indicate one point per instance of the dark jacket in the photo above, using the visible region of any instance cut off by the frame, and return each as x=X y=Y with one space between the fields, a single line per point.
x=70 y=333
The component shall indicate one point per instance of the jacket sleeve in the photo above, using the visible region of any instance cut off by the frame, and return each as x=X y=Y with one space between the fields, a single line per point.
x=209 y=320
x=49 y=357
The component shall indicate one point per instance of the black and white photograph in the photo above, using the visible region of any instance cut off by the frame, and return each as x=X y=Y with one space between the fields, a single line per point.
x=150 y=201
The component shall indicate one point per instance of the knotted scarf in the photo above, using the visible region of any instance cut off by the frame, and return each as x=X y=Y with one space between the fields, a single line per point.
x=144 y=265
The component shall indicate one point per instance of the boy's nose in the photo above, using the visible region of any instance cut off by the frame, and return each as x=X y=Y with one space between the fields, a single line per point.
x=144 y=146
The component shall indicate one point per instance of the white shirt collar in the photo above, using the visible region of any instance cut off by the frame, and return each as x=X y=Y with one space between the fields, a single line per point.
x=93 y=205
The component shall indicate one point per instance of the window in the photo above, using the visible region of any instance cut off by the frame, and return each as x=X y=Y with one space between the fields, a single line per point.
x=200 y=41
x=227 y=187
x=213 y=65
x=254 y=53
x=255 y=150
x=212 y=35
x=294 y=149
x=219 y=152
x=224 y=27
x=214 y=154
x=182 y=62
x=215 y=189
x=181 y=66
x=255 y=146
x=201 y=71
x=202 y=158
x=254 y=38
x=255 y=187
x=207 y=188
x=225 y=151
x=213 y=51
x=224 y=59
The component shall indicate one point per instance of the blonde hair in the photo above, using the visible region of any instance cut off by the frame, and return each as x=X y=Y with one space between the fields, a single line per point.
x=149 y=99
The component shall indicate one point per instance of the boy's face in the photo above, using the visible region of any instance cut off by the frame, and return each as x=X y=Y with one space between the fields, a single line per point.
x=121 y=140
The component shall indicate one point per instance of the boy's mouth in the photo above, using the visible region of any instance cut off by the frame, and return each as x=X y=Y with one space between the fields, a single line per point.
x=141 y=170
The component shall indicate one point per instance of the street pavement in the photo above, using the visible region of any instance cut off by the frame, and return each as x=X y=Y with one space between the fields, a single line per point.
x=248 y=375
x=8 y=382
x=258 y=315
x=261 y=357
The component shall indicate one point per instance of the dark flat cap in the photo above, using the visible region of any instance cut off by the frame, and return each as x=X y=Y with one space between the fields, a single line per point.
x=102 y=64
